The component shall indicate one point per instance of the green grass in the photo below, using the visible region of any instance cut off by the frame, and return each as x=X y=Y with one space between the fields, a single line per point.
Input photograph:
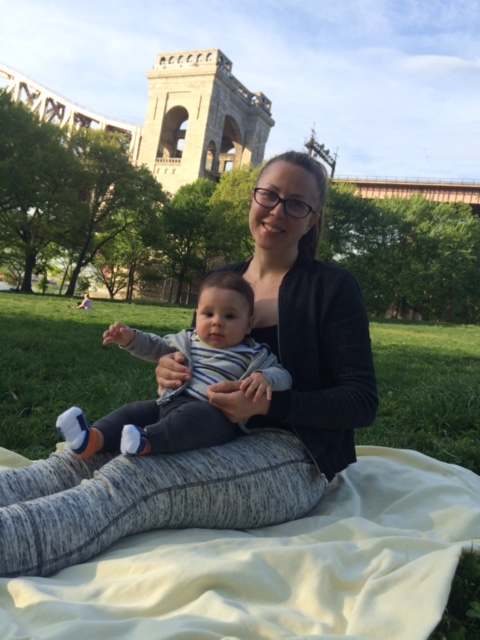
x=429 y=386
x=52 y=357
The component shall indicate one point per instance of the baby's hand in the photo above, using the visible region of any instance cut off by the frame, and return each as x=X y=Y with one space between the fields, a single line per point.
x=257 y=386
x=118 y=333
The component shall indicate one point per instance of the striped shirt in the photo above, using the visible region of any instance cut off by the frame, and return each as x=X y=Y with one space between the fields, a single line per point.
x=211 y=365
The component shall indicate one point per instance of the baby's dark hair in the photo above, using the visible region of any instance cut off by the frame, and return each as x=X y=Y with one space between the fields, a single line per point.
x=231 y=281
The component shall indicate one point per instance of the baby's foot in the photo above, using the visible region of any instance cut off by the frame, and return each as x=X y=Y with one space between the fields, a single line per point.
x=134 y=441
x=74 y=429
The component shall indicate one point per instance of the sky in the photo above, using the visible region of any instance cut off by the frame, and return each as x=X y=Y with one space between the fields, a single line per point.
x=391 y=87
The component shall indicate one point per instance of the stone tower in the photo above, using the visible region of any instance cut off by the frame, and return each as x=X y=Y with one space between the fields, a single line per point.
x=201 y=121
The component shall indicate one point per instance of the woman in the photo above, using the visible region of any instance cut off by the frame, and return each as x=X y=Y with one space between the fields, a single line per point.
x=313 y=317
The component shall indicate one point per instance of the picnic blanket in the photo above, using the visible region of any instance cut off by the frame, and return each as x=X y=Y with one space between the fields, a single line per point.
x=374 y=560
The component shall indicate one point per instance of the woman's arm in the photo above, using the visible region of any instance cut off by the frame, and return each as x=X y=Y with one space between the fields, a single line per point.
x=330 y=360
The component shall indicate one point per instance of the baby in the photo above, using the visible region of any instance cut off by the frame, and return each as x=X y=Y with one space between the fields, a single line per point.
x=217 y=349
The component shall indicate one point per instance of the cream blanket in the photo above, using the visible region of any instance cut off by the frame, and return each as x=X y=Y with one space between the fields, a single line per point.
x=374 y=560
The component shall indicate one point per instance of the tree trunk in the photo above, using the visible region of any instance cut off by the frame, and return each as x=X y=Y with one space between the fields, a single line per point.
x=130 y=282
x=178 y=297
x=30 y=262
x=64 y=278
x=70 y=292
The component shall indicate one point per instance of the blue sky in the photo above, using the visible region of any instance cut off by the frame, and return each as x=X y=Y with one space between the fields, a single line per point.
x=391 y=86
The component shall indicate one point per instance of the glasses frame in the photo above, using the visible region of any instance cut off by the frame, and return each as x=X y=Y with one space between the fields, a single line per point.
x=284 y=201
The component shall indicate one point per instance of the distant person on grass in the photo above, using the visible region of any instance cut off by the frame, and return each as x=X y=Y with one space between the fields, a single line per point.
x=217 y=350
x=86 y=303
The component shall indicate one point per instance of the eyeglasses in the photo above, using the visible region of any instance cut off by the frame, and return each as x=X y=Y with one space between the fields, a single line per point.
x=270 y=199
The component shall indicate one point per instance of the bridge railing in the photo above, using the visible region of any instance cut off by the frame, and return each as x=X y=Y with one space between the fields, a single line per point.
x=389 y=180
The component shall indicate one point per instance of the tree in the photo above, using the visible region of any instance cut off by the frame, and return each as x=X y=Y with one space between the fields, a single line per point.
x=445 y=241
x=185 y=229
x=112 y=195
x=36 y=169
x=231 y=205
x=12 y=263
x=413 y=252
x=367 y=239
x=117 y=262
x=65 y=261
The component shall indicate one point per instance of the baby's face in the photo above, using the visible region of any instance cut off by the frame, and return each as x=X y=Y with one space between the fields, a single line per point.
x=223 y=317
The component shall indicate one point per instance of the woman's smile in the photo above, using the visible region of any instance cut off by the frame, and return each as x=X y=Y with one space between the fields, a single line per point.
x=270 y=228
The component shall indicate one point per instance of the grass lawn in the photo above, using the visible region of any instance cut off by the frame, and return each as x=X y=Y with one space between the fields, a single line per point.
x=429 y=381
x=429 y=386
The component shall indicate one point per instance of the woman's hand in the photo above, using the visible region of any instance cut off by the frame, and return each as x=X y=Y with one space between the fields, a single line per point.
x=231 y=401
x=170 y=372
x=118 y=333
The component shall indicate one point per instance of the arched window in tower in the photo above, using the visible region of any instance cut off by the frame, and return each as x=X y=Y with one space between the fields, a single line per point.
x=211 y=161
x=174 y=131
x=231 y=149
x=180 y=139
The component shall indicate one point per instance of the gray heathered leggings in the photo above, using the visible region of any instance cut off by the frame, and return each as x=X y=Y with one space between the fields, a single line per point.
x=63 y=511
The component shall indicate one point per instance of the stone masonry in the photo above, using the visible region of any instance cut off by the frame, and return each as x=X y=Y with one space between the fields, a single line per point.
x=201 y=121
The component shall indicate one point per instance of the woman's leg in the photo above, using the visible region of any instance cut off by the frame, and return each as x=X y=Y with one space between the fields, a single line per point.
x=261 y=479
x=59 y=472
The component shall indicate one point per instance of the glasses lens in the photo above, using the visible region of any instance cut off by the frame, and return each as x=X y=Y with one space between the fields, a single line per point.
x=269 y=199
x=266 y=198
x=297 y=208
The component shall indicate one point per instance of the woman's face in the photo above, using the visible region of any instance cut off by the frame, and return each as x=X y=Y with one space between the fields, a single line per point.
x=273 y=229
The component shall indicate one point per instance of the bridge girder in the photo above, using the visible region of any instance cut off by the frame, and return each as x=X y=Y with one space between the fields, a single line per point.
x=439 y=191
x=52 y=107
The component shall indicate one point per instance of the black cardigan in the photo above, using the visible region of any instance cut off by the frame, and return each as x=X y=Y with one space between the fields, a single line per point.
x=324 y=342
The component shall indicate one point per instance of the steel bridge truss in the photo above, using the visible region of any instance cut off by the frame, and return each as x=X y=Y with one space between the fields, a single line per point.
x=51 y=107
